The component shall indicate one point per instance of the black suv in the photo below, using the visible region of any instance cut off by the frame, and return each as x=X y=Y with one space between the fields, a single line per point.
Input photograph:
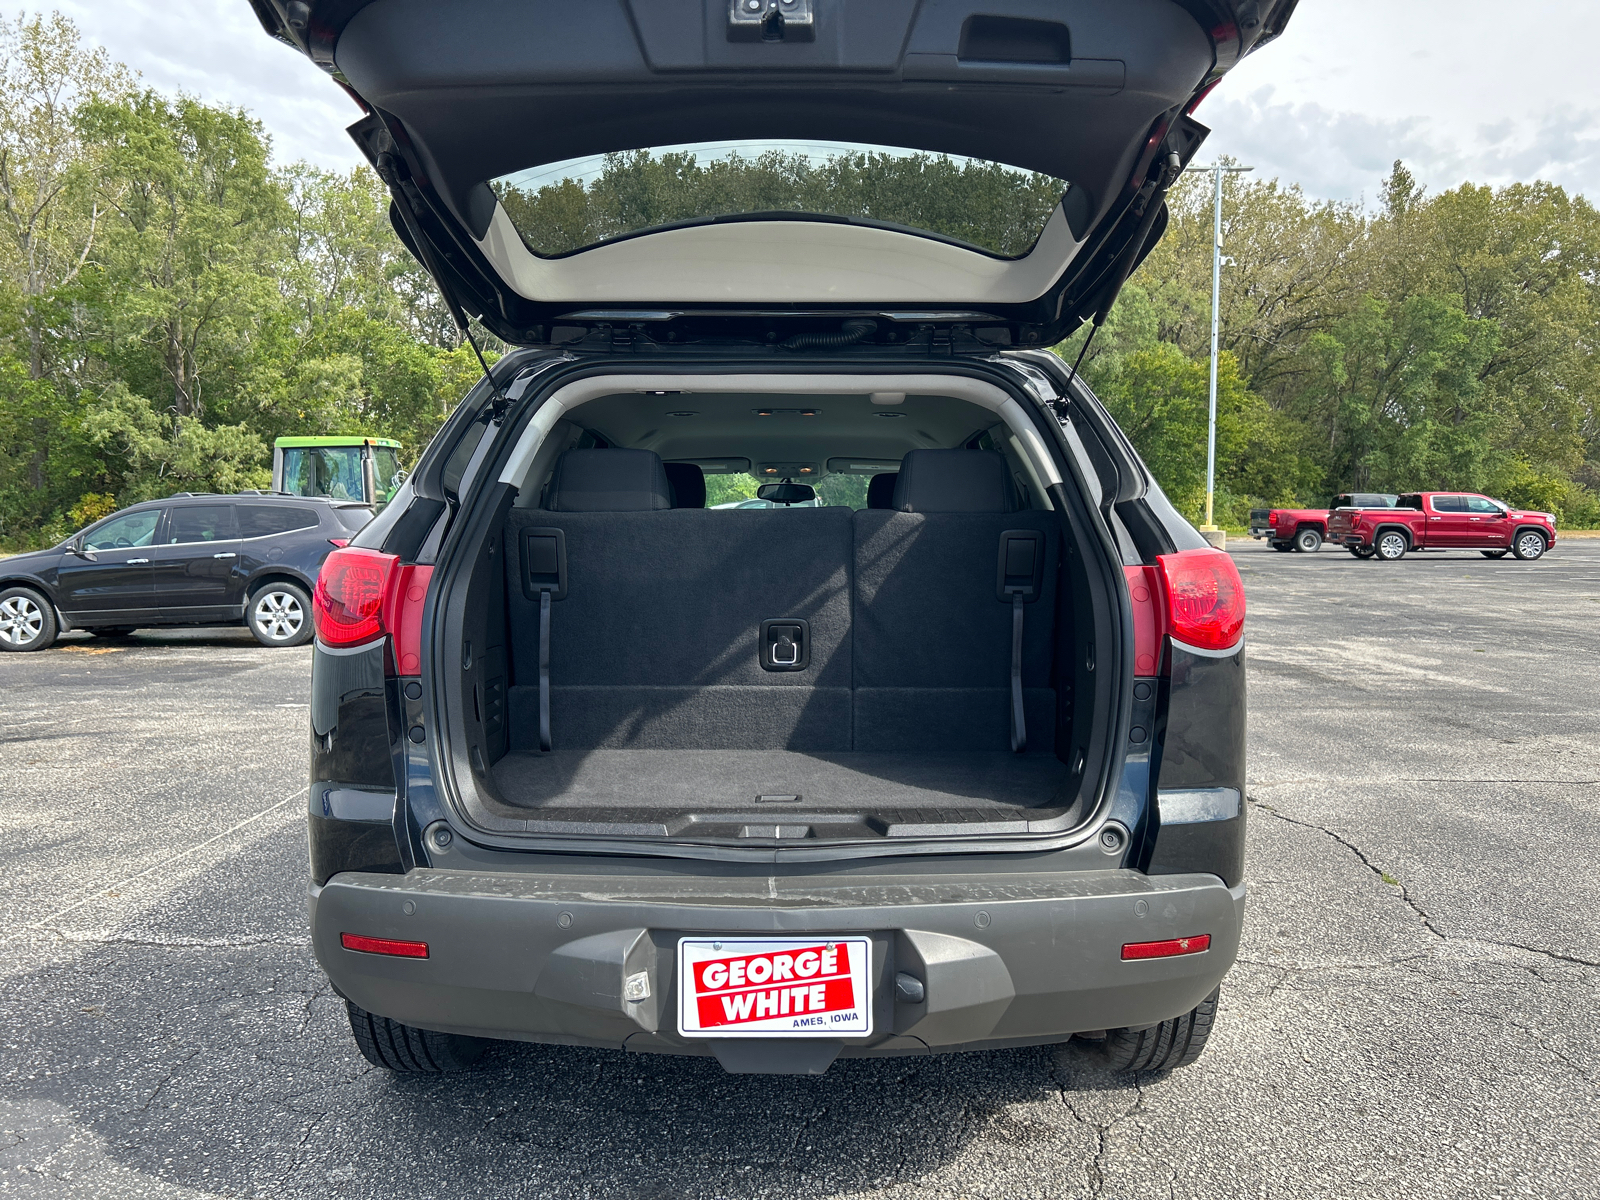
x=952 y=760
x=187 y=560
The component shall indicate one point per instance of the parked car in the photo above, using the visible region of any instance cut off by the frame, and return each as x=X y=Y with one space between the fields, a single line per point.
x=1443 y=521
x=1305 y=529
x=961 y=769
x=250 y=558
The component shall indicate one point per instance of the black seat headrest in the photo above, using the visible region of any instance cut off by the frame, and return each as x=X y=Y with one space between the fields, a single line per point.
x=953 y=481
x=880 y=492
x=608 y=481
x=688 y=484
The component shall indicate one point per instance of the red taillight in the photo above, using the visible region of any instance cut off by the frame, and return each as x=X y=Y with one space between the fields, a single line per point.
x=339 y=542
x=1168 y=949
x=347 y=603
x=1147 y=621
x=389 y=946
x=1205 y=598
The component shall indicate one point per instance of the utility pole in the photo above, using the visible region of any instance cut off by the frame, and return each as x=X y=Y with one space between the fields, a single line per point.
x=1218 y=170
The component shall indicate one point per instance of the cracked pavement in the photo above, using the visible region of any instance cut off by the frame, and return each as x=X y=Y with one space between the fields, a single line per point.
x=1412 y=1014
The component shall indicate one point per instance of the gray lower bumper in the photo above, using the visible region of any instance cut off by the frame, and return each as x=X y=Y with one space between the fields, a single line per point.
x=1004 y=958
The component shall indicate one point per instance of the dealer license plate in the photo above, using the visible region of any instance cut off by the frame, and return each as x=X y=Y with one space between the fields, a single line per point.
x=774 y=987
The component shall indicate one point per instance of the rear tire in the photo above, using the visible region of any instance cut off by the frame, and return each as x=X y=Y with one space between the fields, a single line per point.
x=1529 y=545
x=27 y=621
x=1361 y=551
x=279 y=614
x=1167 y=1046
x=408 y=1051
x=1283 y=547
x=1391 y=546
x=1494 y=553
x=1308 y=541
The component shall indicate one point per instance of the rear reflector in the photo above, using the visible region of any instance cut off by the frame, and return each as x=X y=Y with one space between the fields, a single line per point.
x=1205 y=598
x=347 y=603
x=397 y=949
x=1167 y=949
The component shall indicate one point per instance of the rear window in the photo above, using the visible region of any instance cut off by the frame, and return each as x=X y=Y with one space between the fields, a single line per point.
x=568 y=206
x=263 y=520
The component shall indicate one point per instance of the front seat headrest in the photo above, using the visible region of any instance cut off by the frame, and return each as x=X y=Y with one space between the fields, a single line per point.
x=608 y=481
x=688 y=484
x=953 y=481
x=880 y=492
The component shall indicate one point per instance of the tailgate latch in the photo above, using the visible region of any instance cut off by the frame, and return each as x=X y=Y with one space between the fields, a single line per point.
x=771 y=21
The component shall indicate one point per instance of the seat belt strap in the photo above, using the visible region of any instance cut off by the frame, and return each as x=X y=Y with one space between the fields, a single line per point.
x=544 y=669
x=1019 y=720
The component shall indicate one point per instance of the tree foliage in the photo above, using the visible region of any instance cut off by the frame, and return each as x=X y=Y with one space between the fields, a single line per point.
x=1438 y=342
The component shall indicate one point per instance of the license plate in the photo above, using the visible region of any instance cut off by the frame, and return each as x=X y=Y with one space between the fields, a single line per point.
x=774 y=987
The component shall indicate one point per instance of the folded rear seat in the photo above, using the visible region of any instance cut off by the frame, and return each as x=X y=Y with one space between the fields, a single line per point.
x=933 y=623
x=655 y=621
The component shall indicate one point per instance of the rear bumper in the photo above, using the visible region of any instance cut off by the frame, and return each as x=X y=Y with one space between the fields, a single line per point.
x=1005 y=958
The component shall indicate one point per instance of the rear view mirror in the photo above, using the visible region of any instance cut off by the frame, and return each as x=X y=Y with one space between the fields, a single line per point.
x=786 y=493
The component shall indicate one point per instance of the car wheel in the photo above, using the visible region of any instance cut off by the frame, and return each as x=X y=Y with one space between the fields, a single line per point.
x=1529 y=545
x=407 y=1051
x=1308 y=541
x=111 y=631
x=1163 y=1047
x=1283 y=547
x=1494 y=553
x=1361 y=551
x=1391 y=546
x=280 y=615
x=27 y=621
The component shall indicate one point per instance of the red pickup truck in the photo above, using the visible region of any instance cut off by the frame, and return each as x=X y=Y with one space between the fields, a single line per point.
x=1442 y=521
x=1305 y=529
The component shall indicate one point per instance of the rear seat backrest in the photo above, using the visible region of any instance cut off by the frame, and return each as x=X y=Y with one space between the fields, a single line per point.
x=656 y=641
x=932 y=639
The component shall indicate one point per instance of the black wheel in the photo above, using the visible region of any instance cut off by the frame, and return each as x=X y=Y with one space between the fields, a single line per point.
x=111 y=631
x=1163 y=1047
x=1391 y=545
x=279 y=614
x=1494 y=553
x=1361 y=551
x=1529 y=545
x=1283 y=547
x=1308 y=541
x=400 y=1048
x=27 y=621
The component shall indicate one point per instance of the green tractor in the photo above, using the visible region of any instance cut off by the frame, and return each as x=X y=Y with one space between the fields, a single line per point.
x=342 y=468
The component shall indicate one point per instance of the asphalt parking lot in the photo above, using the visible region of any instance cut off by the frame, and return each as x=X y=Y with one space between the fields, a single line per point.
x=1413 y=1015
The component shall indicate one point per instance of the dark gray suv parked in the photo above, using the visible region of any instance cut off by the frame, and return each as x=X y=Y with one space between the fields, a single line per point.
x=250 y=558
x=951 y=760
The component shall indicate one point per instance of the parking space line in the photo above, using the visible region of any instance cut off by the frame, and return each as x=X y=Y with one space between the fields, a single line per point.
x=101 y=889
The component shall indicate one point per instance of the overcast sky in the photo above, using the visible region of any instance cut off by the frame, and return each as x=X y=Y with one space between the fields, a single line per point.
x=1461 y=89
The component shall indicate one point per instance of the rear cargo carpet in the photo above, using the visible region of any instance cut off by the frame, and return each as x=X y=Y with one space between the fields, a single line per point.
x=712 y=780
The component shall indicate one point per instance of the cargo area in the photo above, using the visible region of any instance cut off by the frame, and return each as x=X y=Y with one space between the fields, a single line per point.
x=656 y=668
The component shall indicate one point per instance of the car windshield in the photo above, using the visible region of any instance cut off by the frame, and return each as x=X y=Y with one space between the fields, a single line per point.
x=568 y=206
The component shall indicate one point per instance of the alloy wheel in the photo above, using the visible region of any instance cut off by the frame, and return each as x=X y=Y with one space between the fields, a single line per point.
x=21 y=621
x=278 y=615
x=1391 y=546
x=1530 y=546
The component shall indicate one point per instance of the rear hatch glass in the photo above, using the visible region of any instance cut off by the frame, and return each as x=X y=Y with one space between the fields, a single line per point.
x=568 y=206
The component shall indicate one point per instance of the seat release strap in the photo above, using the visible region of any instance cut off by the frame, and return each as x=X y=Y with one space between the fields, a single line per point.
x=1019 y=720
x=544 y=669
